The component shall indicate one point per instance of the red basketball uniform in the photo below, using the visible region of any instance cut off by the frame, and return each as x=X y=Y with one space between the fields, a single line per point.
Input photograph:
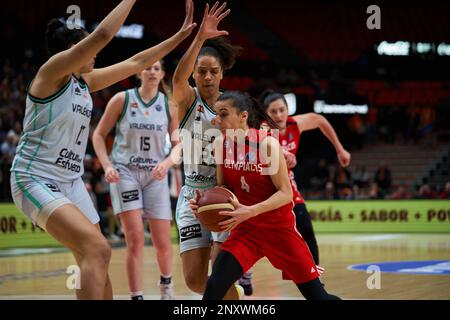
x=271 y=234
x=289 y=141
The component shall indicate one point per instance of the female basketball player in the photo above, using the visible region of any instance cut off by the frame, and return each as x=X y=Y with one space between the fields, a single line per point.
x=262 y=224
x=138 y=169
x=275 y=105
x=290 y=129
x=46 y=174
x=206 y=61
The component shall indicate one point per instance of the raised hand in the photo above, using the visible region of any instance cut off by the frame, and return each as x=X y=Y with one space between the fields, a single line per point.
x=188 y=25
x=211 y=19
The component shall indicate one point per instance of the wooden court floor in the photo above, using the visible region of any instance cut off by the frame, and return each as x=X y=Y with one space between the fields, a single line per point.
x=43 y=275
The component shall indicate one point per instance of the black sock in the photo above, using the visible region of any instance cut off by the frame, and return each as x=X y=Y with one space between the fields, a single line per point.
x=314 y=290
x=226 y=271
x=164 y=280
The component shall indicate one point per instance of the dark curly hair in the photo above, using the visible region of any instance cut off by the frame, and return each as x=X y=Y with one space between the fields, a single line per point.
x=221 y=49
x=59 y=37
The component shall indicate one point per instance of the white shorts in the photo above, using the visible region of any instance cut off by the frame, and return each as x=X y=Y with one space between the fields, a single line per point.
x=137 y=189
x=38 y=197
x=192 y=234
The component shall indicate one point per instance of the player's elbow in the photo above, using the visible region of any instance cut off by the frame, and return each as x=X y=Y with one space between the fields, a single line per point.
x=97 y=136
x=287 y=195
x=178 y=79
x=320 y=120
x=102 y=34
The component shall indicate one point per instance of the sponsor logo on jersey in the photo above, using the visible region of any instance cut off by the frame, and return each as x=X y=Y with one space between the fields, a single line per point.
x=288 y=146
x=52 y=187
x=142 y=163
x=200 y=108
x=190 y=232
x=76 y=108
x=85 y=96
x=243 y=166
x=158 y=108
x=146 y=126
x=203 y=137
x=77 y=91
x=69 y=160
x=197 y=177
x=129 y=196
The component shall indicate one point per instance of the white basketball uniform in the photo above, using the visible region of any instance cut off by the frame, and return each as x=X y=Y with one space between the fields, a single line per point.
x=47 y=169
x=138 y=147
x=197 y=135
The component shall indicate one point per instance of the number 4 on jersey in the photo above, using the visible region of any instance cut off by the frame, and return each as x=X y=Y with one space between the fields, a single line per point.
x=244 y=184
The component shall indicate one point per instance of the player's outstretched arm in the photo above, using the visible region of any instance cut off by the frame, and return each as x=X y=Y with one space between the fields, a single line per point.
x=310 y=121
x=183 y=93
x=71 y=60
x=102 y=78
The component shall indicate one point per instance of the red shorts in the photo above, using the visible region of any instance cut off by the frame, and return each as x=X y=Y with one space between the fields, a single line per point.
x=283 y=246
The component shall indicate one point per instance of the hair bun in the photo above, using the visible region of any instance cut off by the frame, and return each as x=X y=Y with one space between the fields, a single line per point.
x=266 y=93
x=54 y=25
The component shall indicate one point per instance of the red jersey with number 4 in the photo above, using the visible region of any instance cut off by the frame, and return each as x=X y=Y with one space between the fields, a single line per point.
x=289 y=141
x=271 y=234
x=243 y=171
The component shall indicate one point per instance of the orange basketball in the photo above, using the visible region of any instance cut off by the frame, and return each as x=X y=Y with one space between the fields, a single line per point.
x=210 y=204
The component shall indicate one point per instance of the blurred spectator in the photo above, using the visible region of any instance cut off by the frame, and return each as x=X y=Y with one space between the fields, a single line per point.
x=361 y=176
x=357 y=193
x=383 y=178
x=400 y=193
x=371 y=131
x=413 y=116
x=7 y=152
x=358 y=129
x=374 y=192
x=8 y=147
x=330 y=192
x=426 y=192
x=342 y=178
x=2 y=132
x=445 y=194
x=346 y=194
x=321 y=175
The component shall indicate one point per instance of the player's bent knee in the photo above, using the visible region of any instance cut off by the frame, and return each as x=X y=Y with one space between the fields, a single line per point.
x=195 y=283
x=99 y=252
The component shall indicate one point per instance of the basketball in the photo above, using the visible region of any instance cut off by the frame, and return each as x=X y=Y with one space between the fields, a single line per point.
x=210 y=204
